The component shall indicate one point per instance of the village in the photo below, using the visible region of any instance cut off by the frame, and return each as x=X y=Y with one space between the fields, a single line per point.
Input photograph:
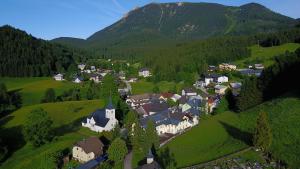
x=172 y=113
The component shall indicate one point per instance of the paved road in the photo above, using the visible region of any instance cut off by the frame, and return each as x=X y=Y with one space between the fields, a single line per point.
x=127 y=161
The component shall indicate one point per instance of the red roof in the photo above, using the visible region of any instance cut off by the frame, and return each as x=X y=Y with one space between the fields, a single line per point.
x=167 y=95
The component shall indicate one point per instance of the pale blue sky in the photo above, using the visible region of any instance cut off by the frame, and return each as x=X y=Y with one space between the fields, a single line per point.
x=49 y=19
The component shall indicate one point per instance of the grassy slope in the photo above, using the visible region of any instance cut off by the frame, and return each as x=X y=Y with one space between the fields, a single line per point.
x=33 y=89
x=66 y=117
x=143 y=86
x=266 y=55
x=211 y=139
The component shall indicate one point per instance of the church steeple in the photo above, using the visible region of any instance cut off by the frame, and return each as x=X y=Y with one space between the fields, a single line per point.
x=110 y=104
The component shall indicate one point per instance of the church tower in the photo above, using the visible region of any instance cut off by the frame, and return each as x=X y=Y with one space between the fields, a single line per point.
x=110 y=110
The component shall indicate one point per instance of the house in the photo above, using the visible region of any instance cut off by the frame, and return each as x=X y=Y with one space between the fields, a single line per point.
x=220 y=89
x=211 y=68
x=87 y=149
x=132 y=80
x=189 y=92
x=59 y=77
x=212 y=103
x=144 y=72
x=222 y=79
x=259 y=66
x=150 y=162
x=251 y=72
x=165 y=96
x=81 y=67
x=102 y=119
x=200 y=84
x=96 y=78
x=93 y=68
x=171 y=122
x=227 y=66
x=136 y=101
x=235 y=88
x=78 y=79
x=122 y=75
x=153 y=108
x=175 y=97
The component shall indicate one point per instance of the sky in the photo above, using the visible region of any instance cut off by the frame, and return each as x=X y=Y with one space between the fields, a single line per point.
x=48 y=19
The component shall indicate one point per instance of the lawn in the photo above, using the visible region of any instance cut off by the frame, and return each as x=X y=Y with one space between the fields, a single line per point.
x=143 y=86
x=266 y=55
x=33 y=89
x=228 y=132
x=66 y=116
x=213 y=137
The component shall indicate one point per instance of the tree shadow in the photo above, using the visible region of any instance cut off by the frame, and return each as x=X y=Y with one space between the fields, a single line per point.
x=166 y=158
x=13 y=139
x=68 y=128
x=238 y=134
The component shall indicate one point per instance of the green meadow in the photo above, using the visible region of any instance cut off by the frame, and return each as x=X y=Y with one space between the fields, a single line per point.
x=143 y=86
x=33 y=89
x=265 y=55
x=67 y=117
x=229 y=132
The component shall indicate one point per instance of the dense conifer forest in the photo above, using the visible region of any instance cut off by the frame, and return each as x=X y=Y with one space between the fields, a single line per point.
x=24 y=55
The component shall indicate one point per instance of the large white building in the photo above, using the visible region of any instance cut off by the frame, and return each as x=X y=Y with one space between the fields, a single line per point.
x=102 y=119
x=59 y=77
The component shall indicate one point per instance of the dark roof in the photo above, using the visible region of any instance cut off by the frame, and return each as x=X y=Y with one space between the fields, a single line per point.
x=144 y=69
x=155 y=107
x=183 y=100
x=99 y=117
x=110 y=104
x=190 y=90
x=93 y=163
x=212 y=76
x=92 y=144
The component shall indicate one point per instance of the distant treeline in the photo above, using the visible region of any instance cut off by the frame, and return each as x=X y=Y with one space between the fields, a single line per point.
x=24 y=55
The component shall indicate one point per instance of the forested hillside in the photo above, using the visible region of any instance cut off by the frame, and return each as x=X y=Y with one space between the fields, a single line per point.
x=24 y=55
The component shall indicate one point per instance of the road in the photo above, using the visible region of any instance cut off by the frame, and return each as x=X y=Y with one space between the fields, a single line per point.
x=128 y=161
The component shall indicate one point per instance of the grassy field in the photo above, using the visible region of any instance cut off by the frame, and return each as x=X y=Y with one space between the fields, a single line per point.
x=143 y=86
x=33 y=89
x=228 y=132
x=266 y=55
x=212 y=138
x=66 y=116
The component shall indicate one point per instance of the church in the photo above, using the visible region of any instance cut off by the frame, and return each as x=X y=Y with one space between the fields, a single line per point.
x=102 y=119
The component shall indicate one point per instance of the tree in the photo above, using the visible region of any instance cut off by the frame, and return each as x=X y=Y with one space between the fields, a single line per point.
x=171 y=102
x=38 y=127
x=117 y=150
x=4 y=98
x=105 y=165
x=49 y=96
x=155 y=89
x=262 y=136
x=151 y=136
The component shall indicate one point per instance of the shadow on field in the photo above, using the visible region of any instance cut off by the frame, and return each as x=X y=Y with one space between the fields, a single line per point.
x=12 y=137
x=238 y=134
x=68 y=128
x=166 y=159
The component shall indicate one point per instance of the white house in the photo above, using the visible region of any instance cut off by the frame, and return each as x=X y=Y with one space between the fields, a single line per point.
x=208 y=80
x=175 y=97
x=220 y=89
x=144 y=72
x=259 y=66
x=236 y=88
x=59 y=77
x=222 y=79
x=81 y=67
x=88 y=149
x=93 y=68
x=102 y=119
x=189 y=92
x=78 y=80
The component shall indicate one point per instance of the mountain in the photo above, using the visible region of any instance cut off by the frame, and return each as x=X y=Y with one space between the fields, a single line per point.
x=158 y=23
x=24 y=55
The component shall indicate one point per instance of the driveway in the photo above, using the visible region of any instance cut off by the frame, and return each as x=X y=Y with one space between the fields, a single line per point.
x=128 y=160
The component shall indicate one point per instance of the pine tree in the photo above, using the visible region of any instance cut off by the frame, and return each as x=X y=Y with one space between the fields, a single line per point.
x=151 y=135
x=262 y=136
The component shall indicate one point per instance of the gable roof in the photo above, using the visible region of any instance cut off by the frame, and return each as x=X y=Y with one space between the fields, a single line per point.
x=99 y=117
x=155 y=107
x=166 y=95
x=189 y=90
x=92 y=144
